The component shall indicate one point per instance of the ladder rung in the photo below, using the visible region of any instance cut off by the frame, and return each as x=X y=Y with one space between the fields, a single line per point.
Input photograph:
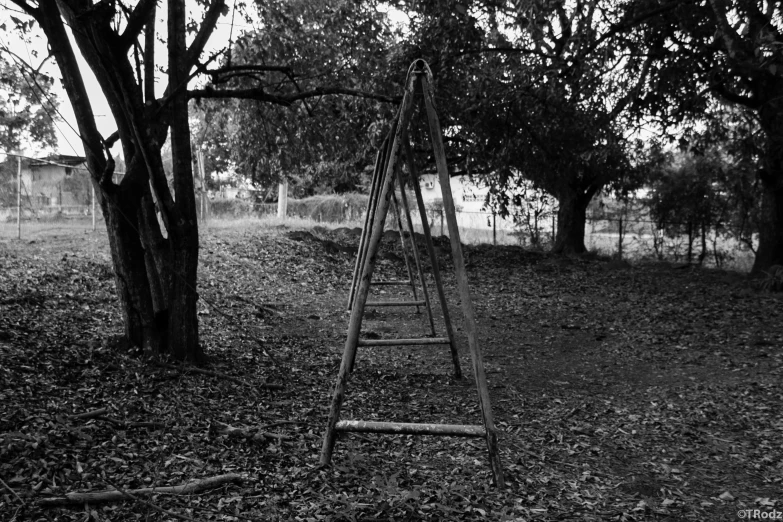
x=395 y=303
x=405 y=283
x=407 y=428
x=403 y=342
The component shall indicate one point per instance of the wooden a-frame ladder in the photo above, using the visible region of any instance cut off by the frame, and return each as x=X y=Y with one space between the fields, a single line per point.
x=387 y=171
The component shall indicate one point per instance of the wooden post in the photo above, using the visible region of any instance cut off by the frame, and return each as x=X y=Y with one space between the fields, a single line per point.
x=202 y=174
x=369 y=220
x=462 y=281
x=494 y=229
x=92 y=186
x=19 y=196
x=416 y=258
x=357 y=311
x=433 y=260
x=396 y=206
x=282 y=199
x=620 y=240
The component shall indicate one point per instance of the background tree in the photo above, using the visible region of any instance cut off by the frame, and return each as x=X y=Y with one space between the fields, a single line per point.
x=544 y=92
x=27 y=111
x=688 y=197
x=27 y=106
x=732 y=51
x=323 y=145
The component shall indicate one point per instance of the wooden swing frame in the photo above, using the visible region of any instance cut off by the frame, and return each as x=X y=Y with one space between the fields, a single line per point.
x=387 y=172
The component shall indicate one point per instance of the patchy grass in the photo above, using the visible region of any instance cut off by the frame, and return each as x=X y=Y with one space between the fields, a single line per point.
x=620 y=392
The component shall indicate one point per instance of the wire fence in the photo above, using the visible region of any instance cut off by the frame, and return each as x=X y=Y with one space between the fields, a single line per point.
x=628 y=239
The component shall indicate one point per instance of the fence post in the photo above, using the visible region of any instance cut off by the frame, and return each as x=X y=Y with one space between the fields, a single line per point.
x=93 y=206
x=620 y=240
x=494 y=230
x=282 y=199
x=19 y=197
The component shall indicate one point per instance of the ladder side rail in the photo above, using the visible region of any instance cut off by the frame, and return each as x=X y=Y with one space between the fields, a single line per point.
x=433 y=260
x=367 y=218
x=416 y=258
x=396 y=207
x=357 y=311
x=462 y=280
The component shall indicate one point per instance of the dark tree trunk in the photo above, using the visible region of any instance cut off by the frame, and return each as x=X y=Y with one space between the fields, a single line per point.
x=155 y=276
x=130 y=270
x=183 y=235
x=770 y=249
x=703 y=253
x=571 y=219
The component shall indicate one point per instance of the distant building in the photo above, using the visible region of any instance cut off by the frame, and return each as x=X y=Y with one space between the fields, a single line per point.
x=56 y=184
x=469 y=200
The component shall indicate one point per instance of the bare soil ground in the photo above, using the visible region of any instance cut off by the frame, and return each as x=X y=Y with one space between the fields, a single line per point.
x=620 y=393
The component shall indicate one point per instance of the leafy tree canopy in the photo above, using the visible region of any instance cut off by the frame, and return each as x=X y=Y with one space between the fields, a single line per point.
x=27 y=107
x=329 y=141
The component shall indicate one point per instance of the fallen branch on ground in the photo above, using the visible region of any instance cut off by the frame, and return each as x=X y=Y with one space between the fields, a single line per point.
x=96 y=497
x=133 y=497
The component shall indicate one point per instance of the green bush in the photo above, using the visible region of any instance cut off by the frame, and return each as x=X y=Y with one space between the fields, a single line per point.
x=228 y=208
x=330 y=208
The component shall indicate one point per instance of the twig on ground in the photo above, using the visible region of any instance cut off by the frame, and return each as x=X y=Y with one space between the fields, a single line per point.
x=281 y=423
x=254 y=434
x=90 y=414
x=150 y=504
x=6 y=486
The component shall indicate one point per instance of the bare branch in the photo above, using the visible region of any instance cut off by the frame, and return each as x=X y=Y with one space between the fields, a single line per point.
x=136 y=21
x=250 y=68
x=35 y=12
x=733 y=97
x=214 y=12
x=288 y=100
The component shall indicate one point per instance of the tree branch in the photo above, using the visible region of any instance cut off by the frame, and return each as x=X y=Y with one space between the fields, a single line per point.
x=747 y=101
x=136 y=22
x=249 y=68
x=29 y=9
x=215 y=10
x=731 y=39
x=288 y=100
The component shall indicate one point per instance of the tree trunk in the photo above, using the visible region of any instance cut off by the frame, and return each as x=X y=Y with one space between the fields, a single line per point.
x=703 y=253
x=183 y=235
x=130 y=271
x=571 y=219
x=770 y=249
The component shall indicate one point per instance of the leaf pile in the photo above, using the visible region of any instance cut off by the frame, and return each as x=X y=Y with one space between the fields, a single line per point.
x=619 y=393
